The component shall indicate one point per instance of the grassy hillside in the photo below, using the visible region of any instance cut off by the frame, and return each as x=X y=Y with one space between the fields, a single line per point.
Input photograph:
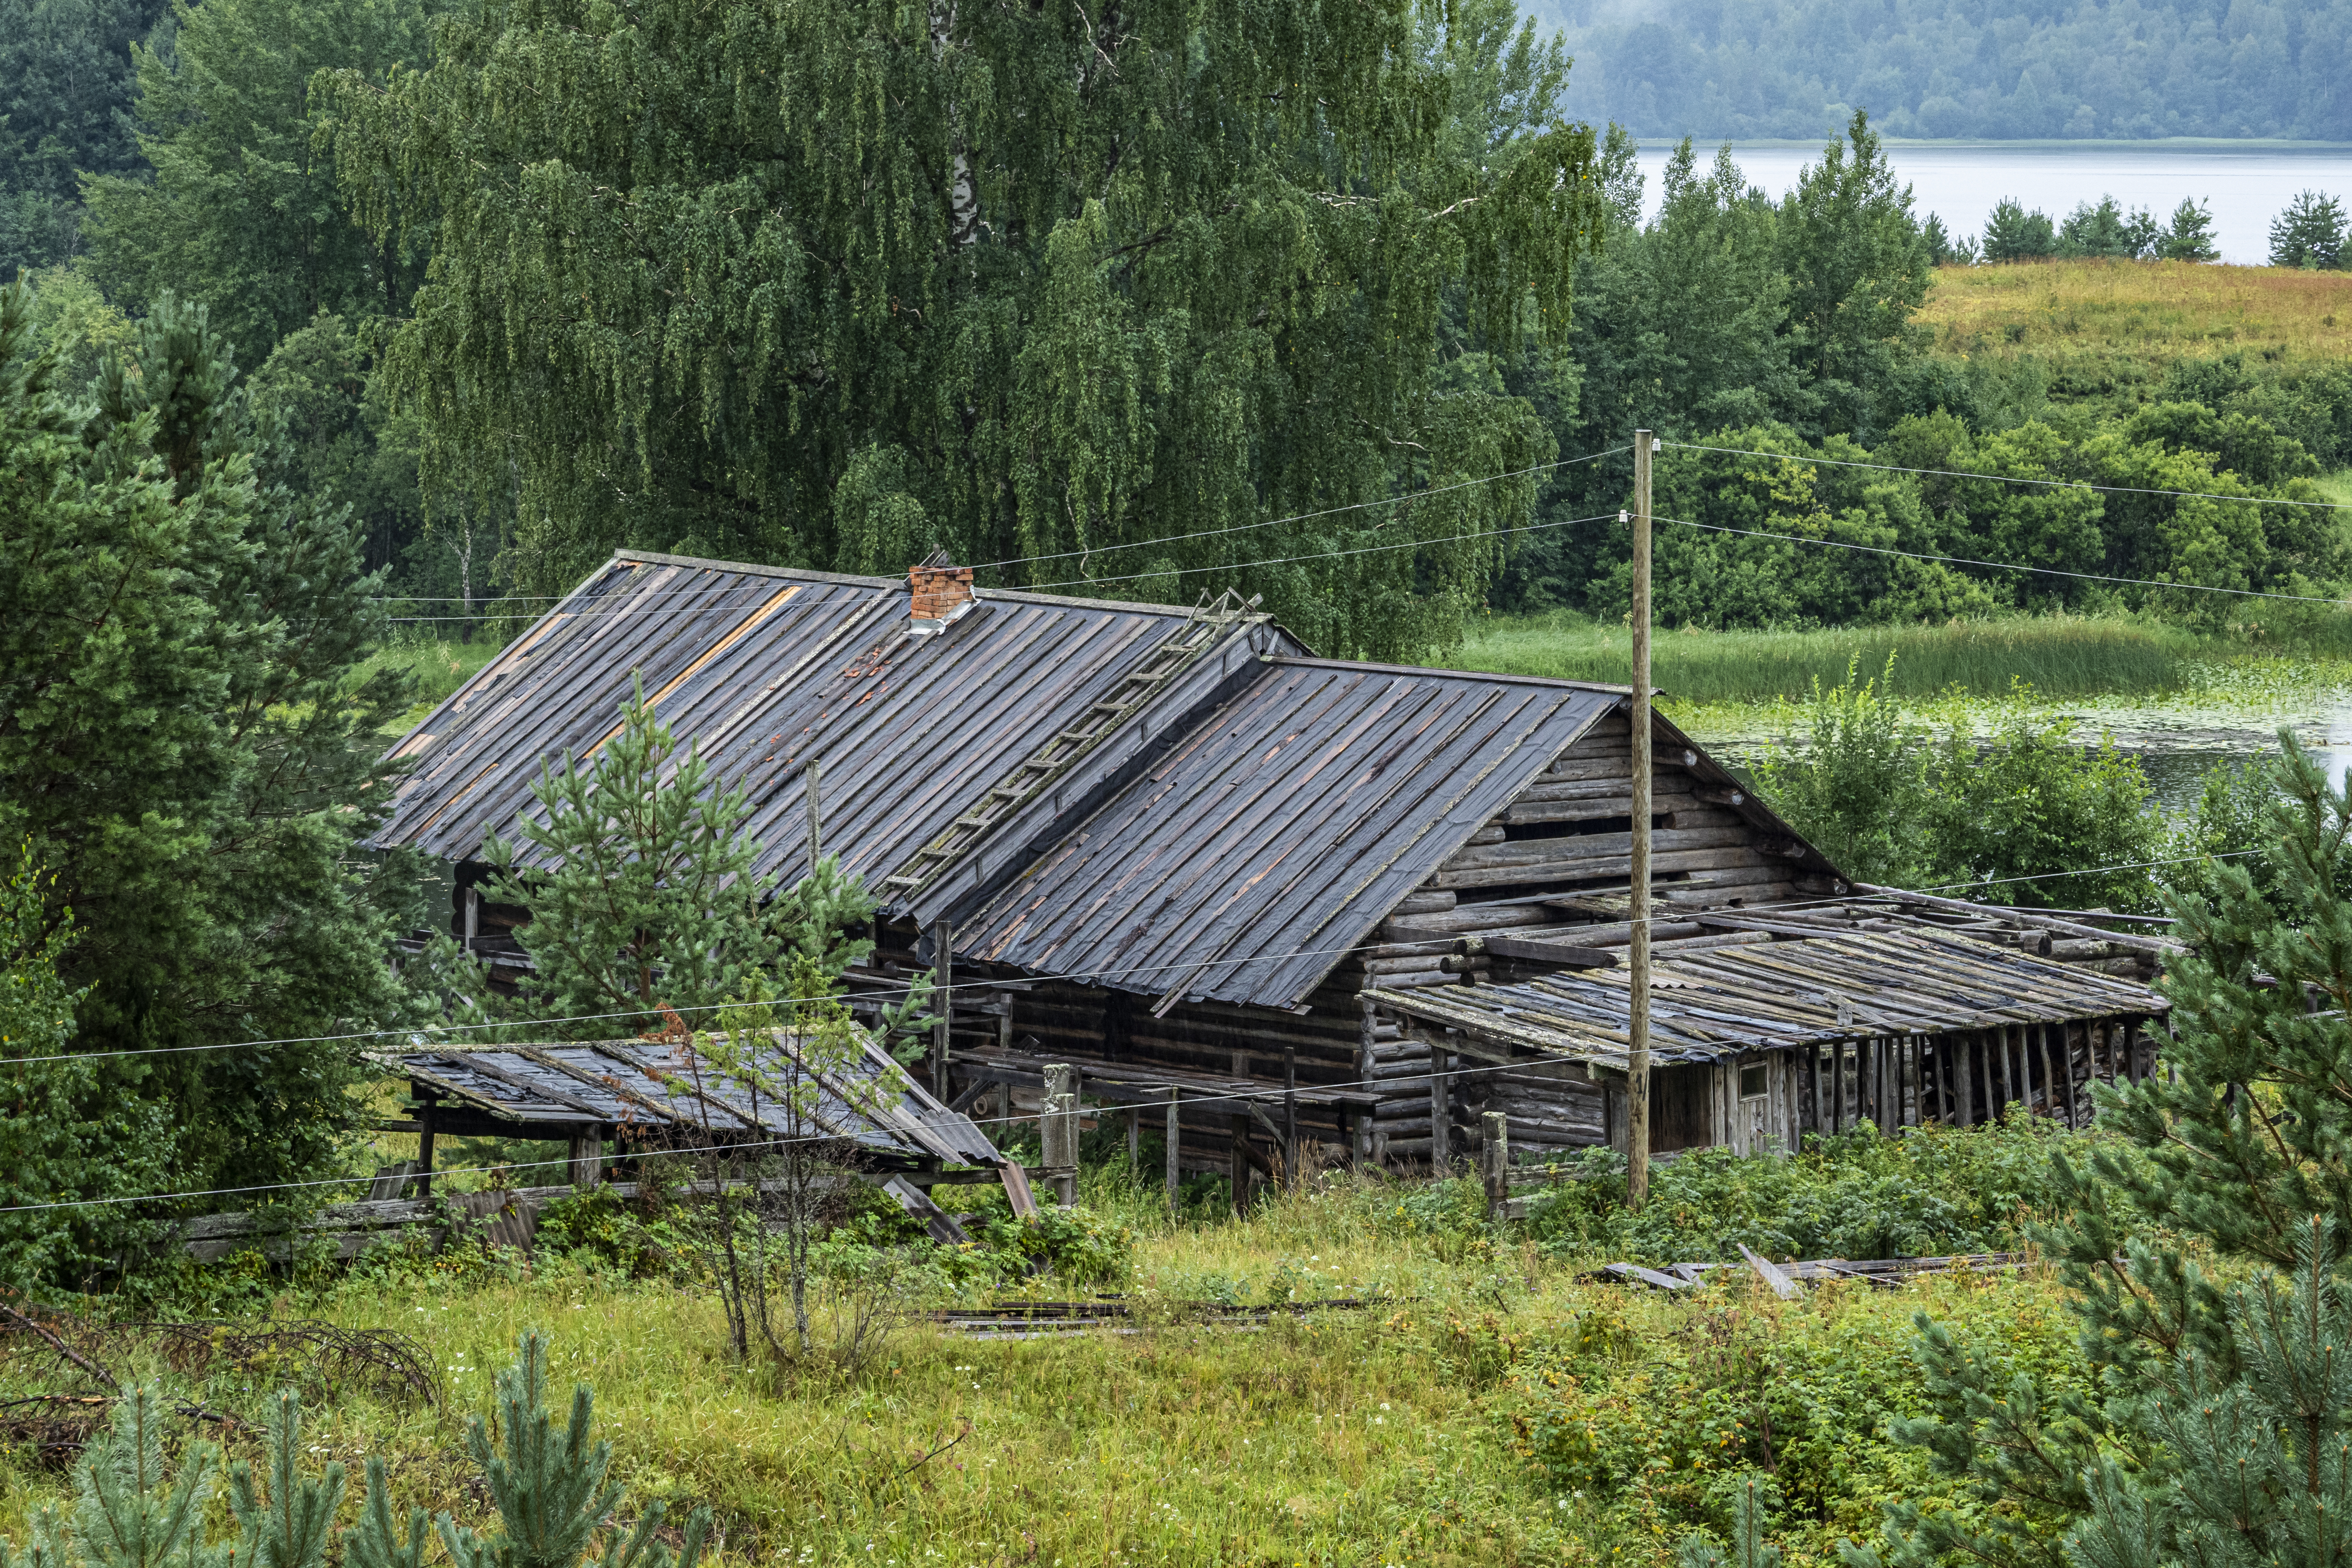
x=2141 y=310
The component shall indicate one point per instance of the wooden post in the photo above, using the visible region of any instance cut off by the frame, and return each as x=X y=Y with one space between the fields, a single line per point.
x=1135 y=1138
x=1365 y=1035
x=944 y=996
x=1637 y=1073
x=1175 y=1149
x=1290 y=1116
x=1057 y=1131
x=815 y=819
x=473 y=916
x=2067 y=1060
x=586 y=1165
x=1814 y=1077
x=1964 y=1075
x=2049 y=1077
x=425 y=1149
x=1440 y=1114
x=1237 y=1170
x=1495 y=1162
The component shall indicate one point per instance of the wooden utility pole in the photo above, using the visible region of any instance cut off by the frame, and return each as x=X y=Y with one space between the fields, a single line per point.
x=815 y=820
x=1637 y=1056
x=942 y=1006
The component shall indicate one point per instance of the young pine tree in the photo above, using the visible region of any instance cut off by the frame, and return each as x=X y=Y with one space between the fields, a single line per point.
x=645 y=894
x=2309 y=233
x=2207 y=1425
x=548 y=1487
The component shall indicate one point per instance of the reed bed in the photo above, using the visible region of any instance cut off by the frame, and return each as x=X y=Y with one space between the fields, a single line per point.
x=2058 y=656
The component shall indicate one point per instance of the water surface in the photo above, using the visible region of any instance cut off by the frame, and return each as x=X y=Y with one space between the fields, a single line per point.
x=2244 y=185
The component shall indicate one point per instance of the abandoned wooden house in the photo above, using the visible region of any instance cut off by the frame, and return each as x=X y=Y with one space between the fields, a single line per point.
x=1298 y=908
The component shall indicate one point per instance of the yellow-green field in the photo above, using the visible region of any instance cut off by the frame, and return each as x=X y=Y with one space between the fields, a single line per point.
x=2140 y=307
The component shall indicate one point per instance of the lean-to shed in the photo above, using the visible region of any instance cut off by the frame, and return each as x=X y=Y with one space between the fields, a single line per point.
x=1299 y=896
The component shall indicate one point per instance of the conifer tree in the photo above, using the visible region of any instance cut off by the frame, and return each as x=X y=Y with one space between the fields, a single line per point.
x=288 y=1522
x=186 y=727
x=2215 y=1431
x=643 y=892
x=550 y=1486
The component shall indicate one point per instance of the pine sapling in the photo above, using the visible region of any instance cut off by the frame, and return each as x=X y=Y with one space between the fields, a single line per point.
x=373 y=1543
x=291 y=1524
x=130 y=1513
x=1748 y=1547
x=550 y=1487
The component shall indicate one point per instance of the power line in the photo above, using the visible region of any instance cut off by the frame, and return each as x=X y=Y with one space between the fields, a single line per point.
x=1663 y=917
x=1404 y=499
x=1173 y=571
x=428 y=1033
x=2014 y=479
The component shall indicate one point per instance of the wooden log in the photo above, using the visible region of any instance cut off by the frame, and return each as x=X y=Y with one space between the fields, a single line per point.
x=1621 y=932
x=1494 y=1161
x=1524 y=813
x=1709 y=944
x=1578 y=869
x=1561 y=953
x=1466 y=917
x=2036 y=917
x=1440 y=1111
x=1590 y=845
x=1411 y=981
x=1431 y=962
x=1423 y=903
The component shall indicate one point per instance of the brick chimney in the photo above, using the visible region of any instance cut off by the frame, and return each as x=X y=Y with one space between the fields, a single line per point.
x=938 y=593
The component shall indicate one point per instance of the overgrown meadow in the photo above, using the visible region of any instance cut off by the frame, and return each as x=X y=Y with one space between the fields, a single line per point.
x=1480 y=1400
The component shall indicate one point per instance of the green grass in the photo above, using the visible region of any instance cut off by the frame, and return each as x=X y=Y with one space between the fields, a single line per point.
x=1495 y=1407
x=2056 y=656
x=438 y=667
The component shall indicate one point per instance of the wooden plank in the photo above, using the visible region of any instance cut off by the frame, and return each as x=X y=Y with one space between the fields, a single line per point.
x=1591 y=847
x=1580 y=869
x=1548 y=952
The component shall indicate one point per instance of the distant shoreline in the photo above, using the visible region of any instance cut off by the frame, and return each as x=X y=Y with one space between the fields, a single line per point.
x=2175 y=143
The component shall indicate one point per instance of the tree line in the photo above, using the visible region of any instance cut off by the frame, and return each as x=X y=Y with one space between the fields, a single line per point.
x=2308 y=233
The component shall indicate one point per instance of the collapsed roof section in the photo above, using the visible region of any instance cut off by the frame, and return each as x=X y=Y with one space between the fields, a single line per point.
x=1784 y=991
x=671 y=1093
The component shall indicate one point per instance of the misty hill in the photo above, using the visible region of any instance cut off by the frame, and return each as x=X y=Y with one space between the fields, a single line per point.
x=1991 y=68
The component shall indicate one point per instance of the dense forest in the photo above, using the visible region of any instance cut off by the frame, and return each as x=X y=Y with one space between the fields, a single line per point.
x=2011 y=68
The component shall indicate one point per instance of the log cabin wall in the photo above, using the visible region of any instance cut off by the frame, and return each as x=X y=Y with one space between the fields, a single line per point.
x=1552 y=866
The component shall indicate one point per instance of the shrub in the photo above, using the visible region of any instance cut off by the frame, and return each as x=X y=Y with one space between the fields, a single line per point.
x=1860 y=1195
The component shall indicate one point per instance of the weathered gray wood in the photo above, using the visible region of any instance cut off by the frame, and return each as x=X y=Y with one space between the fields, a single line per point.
x=1175 y=1135
x=1640 y=844
x=2041 y=919
x=1495 y=1161
x=1580 y=869
x=943 y=1005
x=1440 y=1113
x=1592 y=847
x=1766 y=1270
x=1563 y=952
x=1525 y=813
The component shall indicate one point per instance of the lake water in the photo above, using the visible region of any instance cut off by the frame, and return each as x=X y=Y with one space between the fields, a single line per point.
x=2244 y=187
